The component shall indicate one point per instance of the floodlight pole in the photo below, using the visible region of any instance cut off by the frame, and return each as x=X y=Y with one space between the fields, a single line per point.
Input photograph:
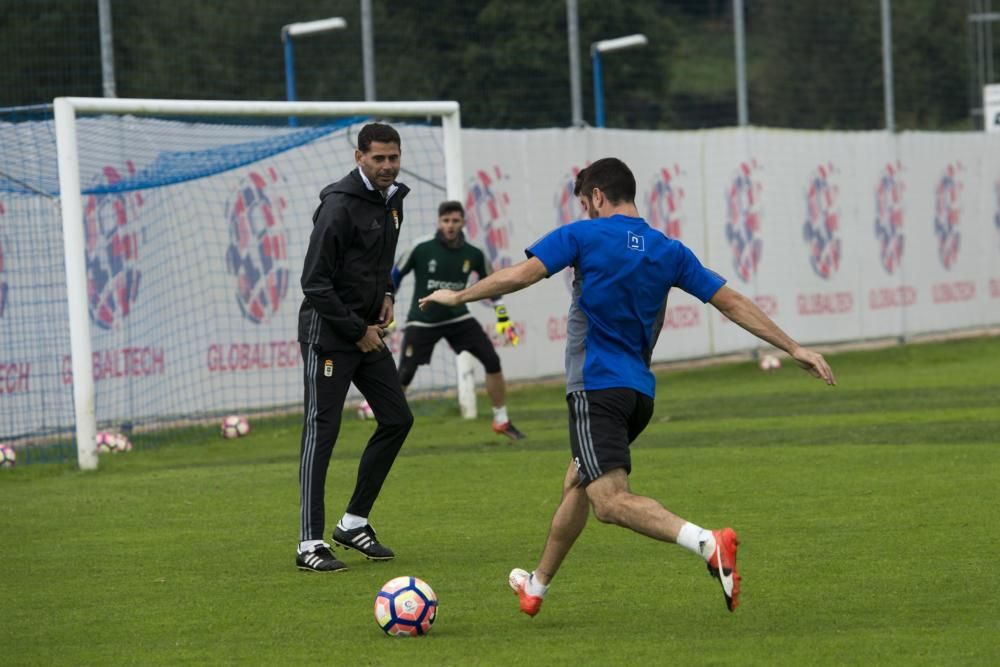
x=306 y=28
x=575 y=87
x=603 y=46
x=739 y=34
x=595 y=59
x=107 y=49
x=887 y=84
x=368 y=50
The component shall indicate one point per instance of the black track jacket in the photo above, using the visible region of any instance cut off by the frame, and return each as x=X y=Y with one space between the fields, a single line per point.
x=345 y=276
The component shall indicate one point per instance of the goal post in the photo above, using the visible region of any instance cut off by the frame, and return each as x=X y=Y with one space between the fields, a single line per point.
x=66 y=110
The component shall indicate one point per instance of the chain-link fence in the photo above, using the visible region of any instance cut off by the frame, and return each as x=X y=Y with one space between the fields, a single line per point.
x=809 y=63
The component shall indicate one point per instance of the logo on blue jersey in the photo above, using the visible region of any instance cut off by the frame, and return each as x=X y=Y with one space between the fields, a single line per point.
x=636 y=242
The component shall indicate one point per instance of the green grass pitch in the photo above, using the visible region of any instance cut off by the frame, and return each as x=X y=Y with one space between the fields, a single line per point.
x=868 y=514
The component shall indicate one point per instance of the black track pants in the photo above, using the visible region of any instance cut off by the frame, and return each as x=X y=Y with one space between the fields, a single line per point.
x=328 y=376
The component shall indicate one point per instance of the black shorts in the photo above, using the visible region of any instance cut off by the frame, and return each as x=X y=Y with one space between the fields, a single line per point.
x=462 y=336
x=602 y=425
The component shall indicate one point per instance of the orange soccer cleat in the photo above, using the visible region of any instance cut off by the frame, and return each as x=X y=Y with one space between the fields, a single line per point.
x=508 y=429
x=722 y=565
x=530 y=604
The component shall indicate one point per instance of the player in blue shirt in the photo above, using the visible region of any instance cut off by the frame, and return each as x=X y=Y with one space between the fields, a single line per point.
x=624 y=271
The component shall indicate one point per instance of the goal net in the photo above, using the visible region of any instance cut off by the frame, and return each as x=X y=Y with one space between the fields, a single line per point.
x=153 y=278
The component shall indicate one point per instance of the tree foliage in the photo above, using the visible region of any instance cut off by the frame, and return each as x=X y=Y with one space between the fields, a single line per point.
x=820 y=64
x=812 y=63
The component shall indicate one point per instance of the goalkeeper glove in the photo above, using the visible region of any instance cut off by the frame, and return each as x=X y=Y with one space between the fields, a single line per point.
x=505 y=328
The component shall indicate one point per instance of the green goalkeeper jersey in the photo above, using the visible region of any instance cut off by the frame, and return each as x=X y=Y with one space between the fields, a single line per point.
x=438 y=266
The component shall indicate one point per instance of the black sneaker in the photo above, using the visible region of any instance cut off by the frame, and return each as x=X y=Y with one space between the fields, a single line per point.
x=321 y=559
x=363 y=539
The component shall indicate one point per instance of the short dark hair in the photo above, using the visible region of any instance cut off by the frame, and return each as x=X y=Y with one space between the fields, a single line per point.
x=451 y=207
x=611 y=176
x=386 y=134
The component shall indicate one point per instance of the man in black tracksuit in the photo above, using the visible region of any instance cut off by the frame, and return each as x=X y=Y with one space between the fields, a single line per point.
x=348 y=303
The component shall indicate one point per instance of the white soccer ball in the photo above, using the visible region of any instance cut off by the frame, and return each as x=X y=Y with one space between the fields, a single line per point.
x=769 y=362
x=234 y=426
x=365 y=411
x=8 y=457
x=109 y=442
x=406 y=607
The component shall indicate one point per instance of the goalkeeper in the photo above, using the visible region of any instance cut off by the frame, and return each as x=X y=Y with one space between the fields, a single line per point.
x=445 y=261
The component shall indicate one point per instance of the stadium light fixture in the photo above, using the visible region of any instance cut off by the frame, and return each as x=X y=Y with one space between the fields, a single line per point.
x=296 y=30
x=603 y=46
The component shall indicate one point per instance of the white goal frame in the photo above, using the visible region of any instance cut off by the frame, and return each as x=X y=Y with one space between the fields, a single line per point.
x=71 y=201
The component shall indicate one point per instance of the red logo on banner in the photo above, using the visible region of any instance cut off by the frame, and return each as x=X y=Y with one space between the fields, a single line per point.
x=822 y=227
x=555 y=328
x=743 y=220
x=112 y=247
x=239 y=357
x=666 y=201
x=961 y=290
x=15 y=377
x=486 y=215
x=258 y=247
x=836 y=303
x=892 y=297
x=889 y=217
x=947 y=214
x=120 y=363
x=682 y=317
x=568 y=209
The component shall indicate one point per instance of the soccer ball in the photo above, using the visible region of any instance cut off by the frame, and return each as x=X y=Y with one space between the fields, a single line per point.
x=8 y=457
x=234 y=426
x=109 y=442
x=769 y=362
x=406 y=607
x=365 y=411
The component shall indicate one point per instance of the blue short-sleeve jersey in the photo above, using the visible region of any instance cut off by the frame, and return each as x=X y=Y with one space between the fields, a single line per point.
x=624 y=271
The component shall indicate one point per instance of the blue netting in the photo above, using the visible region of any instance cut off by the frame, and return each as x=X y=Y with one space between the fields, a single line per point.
x=28 y=154
x=179 y=166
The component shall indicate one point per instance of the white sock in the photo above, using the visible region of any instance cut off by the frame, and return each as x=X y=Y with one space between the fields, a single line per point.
x=696 y=539
x=534 y=587
x=352 y=521
x=311 y=545
x=500 y=415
